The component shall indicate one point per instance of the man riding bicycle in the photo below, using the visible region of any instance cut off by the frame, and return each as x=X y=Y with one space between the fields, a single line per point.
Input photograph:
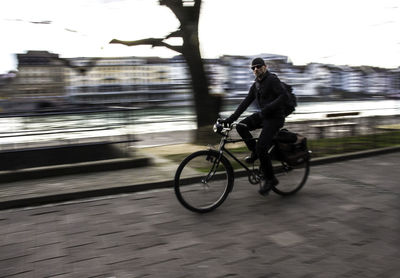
x=271 y=97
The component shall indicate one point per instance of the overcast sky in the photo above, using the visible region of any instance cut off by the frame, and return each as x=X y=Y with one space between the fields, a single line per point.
x=342 y=32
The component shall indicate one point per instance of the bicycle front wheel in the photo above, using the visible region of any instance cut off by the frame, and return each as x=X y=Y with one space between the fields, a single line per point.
x=203 y=180
x=291 y=178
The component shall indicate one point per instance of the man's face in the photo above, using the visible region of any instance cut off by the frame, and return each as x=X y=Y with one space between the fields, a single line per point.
x=258 y=70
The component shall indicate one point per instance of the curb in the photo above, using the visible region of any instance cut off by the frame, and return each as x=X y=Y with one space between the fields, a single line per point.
x=353 y=155
x=76 y=168
x=42 y=200
x=64 y=197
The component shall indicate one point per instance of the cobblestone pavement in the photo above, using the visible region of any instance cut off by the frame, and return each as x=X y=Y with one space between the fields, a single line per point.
x=344 y=223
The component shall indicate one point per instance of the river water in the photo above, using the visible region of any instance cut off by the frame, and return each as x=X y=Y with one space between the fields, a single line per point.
x=152 y=120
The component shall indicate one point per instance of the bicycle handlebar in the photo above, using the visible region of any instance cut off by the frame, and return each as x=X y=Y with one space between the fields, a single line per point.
x=225 y=129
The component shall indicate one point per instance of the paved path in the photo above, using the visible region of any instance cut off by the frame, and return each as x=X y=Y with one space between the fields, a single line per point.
x=344 y=223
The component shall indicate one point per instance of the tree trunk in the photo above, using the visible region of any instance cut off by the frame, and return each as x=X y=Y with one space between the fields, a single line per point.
x=207 y=106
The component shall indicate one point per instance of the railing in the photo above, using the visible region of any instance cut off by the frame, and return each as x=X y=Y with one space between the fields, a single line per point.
x=55 y=129
x=345 y=132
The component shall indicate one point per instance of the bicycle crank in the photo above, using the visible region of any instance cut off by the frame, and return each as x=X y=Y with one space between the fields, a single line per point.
x=254 y=177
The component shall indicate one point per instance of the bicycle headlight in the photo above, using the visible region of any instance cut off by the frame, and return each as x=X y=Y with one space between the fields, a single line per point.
x=218 y=128
x=215 y=128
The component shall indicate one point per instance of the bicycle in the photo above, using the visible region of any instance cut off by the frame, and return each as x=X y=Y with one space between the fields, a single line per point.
x=205 y=178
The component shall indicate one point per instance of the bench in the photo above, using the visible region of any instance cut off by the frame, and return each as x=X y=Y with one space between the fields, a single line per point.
x=339 y=120
x=390 y=127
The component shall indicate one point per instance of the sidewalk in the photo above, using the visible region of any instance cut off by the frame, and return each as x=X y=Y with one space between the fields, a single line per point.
x=343 y=223
x=159 y=174
x=74 y=186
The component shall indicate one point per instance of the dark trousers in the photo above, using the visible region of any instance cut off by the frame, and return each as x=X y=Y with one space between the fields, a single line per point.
x=269 y=128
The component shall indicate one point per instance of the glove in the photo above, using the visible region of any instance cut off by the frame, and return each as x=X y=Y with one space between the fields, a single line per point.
x=226 y=122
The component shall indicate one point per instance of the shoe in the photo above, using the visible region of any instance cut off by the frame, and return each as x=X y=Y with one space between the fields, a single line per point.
x=251 y=158
x=266 y=186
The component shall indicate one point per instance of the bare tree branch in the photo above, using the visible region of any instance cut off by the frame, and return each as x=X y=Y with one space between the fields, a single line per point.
x=150 y=41
x=175 y=34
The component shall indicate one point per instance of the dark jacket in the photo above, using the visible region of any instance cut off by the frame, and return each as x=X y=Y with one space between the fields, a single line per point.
x=270 y=96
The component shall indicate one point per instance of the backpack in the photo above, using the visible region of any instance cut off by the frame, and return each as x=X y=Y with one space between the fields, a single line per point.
x=291 y=102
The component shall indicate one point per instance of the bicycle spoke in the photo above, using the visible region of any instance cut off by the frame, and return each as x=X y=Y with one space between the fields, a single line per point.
x=291 y=178
x=202 y=182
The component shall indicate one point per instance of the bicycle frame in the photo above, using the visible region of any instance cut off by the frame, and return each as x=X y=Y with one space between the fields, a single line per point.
x=222 y=149
x=225 y=140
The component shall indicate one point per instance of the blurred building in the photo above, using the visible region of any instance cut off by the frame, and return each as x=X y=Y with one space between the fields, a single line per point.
x=44 y=77
x=6 y=89
x=40 y=76
x=38 y=83
x=122 y=80
x=395 y=82
x=6 y=82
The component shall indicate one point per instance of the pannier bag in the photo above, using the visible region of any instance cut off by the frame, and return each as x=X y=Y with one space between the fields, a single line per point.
x=292 y=147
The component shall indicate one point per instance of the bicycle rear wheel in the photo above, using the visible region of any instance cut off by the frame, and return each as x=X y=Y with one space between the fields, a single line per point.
x=291 y=178
x=203 y=180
